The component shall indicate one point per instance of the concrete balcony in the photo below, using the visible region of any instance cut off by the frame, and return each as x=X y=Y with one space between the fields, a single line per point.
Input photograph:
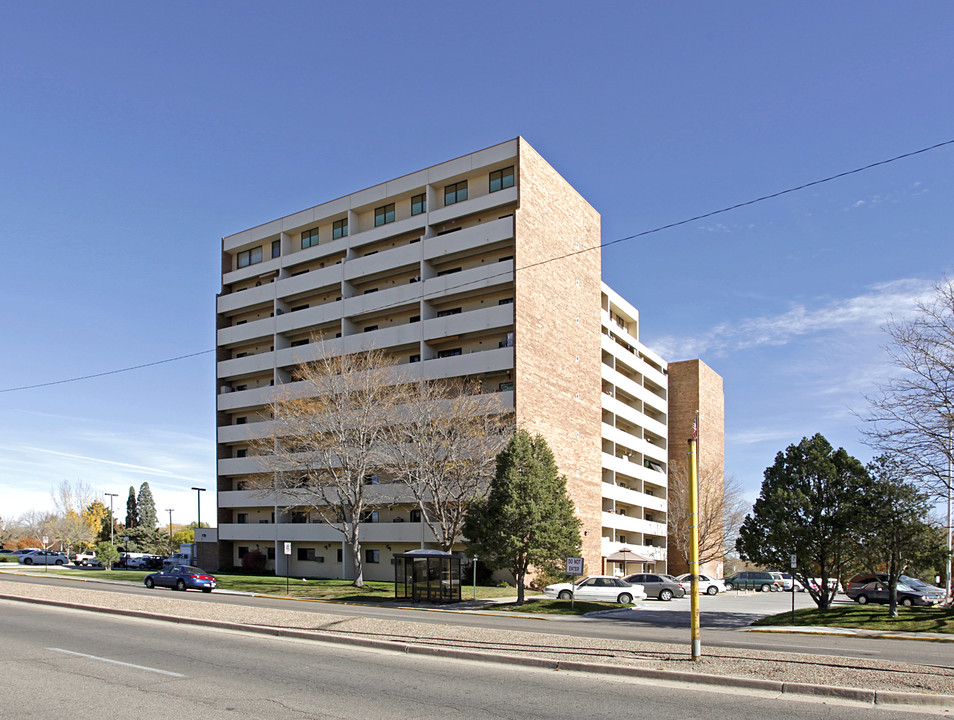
x=240 y=466
x=309 y=317
x=631 y=524
x=271 y=265
x=238 y=334
x=465 y=241
x=386 y=299
x=384 y=262
x=250 y=365
x=251 y=297
x=243 y=399
x=469 y=281
x=474 y=321
x=634 y=497
x=320 y=532
x=634 y=469
x=399 y=227
x=316 y=252
x=487 y=361
x=474 y=205
x=609 y=547
x=243 y=433
x=309 y=282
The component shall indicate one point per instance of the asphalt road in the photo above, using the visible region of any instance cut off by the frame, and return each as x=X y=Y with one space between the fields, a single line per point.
x=722 y=618
x=61 y=663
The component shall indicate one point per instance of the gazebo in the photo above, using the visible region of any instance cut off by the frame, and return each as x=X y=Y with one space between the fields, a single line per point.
x=427 y=575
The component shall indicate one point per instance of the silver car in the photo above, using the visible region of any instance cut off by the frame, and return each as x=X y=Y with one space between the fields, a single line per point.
x=658 y=585
x=44 y=557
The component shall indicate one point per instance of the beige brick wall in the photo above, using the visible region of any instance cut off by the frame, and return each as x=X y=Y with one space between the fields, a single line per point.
x=557 y=333
x=693 y=386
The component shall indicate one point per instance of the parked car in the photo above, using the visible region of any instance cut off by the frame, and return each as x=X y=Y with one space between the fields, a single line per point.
x=177 y=558
x=877 y=592
x=753 y=580
x=935 y=594
x=601 y=588
x=24 y=551
x=44 y=557
x=181 y=577
x=707 y=584
x=791 y=580
x=4 y=551
x=84 y=559
x=657 y=585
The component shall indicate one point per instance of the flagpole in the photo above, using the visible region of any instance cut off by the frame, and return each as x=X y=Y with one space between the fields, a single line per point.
x=694 y=540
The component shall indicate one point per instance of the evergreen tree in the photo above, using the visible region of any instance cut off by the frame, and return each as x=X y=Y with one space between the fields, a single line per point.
x=146 y=508
x=811 y=499
x=132 y=512
x=527 y=519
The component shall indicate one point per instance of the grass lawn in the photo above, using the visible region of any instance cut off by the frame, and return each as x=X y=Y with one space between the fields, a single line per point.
x=870 y=617
x=341 y=590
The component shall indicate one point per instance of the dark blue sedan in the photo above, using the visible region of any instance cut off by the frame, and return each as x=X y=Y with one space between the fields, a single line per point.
x=181 y=577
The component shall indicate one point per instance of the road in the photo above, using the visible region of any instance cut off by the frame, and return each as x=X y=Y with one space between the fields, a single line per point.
x=65 y=663
x=722 y=617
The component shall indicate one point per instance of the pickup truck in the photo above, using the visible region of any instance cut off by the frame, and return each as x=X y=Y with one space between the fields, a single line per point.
x=86 y=559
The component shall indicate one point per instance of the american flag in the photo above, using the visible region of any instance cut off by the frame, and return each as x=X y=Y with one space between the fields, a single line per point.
x=695 y=428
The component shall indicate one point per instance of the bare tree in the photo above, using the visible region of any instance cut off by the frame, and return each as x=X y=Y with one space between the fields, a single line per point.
x=444 y=448
x=36 y=525
x=722 y=508
x=73 y=524
x=9 y=531
x=912 y=415
x=328 y=439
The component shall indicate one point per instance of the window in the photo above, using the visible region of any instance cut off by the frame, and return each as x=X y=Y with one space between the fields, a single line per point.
x=415 y=318
x=338 y=555
x=371 y=328
x=242 y=518
x=501 y=179
x=370 y=290
x=418 y=204
x=384 y=215
x=505 y=386
x=241 y=420
x=307 y=554
x=455 y=193
x=416 y=515
x=371 y=480
x=505 y=301
x=276 y=248
x=450 y=311
x=271 y=553
x=414 y=358
x=370 y=517
x=339 y=229
x=250 y=257
x=506 y=341
x=505 y=258
x=241 y=452
x=242 y=551
x=453 y=352
x=372 y=556
x=299 y=343
x=451 y=271
x=309 y=238
x=299 y=518
x=299 y=307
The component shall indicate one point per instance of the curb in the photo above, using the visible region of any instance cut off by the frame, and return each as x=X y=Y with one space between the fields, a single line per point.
x=837 y=632
x=795 y=690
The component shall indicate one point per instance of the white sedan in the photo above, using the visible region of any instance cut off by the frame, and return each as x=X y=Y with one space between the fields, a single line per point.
x=602 y=588
x=707 y=584
x=44 y=557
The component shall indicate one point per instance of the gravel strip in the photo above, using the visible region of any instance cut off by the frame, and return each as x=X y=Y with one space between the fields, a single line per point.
x=750 y=664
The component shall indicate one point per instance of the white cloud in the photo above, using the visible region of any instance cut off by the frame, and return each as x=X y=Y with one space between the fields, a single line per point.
x=861 y=314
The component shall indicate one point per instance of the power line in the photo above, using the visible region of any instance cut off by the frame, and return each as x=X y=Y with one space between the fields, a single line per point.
x=108 y=372
x=644 y=233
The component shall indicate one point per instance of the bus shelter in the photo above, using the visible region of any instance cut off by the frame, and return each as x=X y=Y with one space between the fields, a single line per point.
x=427 y=576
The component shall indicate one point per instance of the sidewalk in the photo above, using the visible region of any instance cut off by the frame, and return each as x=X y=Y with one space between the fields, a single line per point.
x=798 y=676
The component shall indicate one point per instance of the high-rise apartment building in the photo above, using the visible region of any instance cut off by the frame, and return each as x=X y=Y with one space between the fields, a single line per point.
x=486 y=267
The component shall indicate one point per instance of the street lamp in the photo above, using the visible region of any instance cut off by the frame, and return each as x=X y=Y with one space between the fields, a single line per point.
x=198 y=514
x=112 y=522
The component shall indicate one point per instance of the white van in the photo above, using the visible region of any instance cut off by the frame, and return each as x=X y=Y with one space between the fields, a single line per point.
x=132 y=560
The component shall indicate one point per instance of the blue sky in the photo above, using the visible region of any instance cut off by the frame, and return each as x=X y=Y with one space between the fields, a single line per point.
x=134 y=136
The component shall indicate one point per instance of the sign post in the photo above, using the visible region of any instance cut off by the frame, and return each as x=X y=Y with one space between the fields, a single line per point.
x=794 y=565
x=574 y=566
x=287 y=564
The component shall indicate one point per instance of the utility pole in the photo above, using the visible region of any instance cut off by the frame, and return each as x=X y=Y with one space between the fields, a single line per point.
x=198 y=524
x=169 y=510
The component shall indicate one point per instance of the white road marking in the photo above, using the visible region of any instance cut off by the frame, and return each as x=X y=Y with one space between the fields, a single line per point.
x=117 y=662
